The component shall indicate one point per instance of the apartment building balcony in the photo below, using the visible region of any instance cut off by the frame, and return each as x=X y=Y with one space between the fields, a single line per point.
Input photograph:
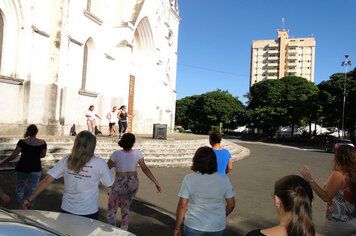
x=292 y=51
x=291 y=63
x=273 y=45
x=292 y=57
x=291 y=70
x=272 y=70
x=272 y=52
x=272 y=77
x=272 y=64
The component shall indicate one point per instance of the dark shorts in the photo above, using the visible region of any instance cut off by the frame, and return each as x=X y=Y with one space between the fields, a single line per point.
x=111 y=124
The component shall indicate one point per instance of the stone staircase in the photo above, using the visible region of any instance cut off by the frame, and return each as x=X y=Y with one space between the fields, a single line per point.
x=157 y=153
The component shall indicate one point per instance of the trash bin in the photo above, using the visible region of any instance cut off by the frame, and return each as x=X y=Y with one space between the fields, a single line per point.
x=159 y=131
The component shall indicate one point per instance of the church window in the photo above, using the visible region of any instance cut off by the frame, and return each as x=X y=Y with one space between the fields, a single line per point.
x=88 y=5
x=85 y=66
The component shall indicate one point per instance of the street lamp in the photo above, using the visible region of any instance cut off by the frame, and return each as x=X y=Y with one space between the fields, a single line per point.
x=344 y=63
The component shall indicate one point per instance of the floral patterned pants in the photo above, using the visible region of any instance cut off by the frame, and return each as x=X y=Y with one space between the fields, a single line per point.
x=121 y=195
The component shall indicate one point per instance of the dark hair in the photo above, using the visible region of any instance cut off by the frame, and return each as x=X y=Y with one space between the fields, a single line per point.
x=204 y=161
x=296 y=196
x=215 y=137
x=122 y=107
x=31 y=131
x=90 y=106
x=127 y=141
x=345 y=161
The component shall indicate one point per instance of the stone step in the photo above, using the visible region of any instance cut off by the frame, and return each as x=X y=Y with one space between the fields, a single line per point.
x=167 y=153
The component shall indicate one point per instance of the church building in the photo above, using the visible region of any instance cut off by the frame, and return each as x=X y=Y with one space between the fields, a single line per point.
x=58 y=57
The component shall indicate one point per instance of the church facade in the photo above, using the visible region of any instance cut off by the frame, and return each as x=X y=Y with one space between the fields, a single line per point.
x=58 y=57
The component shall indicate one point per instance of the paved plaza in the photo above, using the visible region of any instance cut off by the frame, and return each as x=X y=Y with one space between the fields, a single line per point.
x=252 y=178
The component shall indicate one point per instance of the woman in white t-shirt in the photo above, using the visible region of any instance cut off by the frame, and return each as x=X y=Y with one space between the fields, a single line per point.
x=82 y=173
x=126 y=182
x=112 y=117
x=202 y=197
x=90 y=115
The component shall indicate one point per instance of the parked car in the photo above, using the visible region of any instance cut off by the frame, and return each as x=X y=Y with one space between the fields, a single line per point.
x=41 y=223
x=333 y=145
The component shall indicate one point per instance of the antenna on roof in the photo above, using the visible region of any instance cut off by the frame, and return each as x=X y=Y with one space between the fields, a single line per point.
x=282 y=23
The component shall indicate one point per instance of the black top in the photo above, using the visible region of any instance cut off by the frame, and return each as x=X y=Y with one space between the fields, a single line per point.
x=256 y=232
x=30 y=160
x=123 y=117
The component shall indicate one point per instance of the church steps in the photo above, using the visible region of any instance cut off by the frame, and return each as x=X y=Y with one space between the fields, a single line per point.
x=168 y=153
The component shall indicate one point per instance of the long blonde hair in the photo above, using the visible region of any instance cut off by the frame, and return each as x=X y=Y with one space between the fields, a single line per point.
x=82 y=151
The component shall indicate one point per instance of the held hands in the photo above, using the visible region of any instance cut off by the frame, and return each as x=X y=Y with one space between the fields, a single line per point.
x=26 y=204
x=159 y=188
x=177 y=232
x=5 y=197
x=306 y=173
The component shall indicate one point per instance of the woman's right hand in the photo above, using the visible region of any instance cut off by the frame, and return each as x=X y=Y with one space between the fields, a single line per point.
x=159 y=188
x=306 y=173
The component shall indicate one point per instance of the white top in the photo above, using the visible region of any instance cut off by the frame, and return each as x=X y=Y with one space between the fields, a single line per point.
x=81 y=189
x=113 y=117
x=206 y=207
x=91 y=115
x=126 y=161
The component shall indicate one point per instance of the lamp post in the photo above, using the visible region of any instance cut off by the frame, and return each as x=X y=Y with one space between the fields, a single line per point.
x=344 y=63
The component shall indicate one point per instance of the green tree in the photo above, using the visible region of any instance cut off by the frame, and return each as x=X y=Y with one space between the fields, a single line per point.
x=183 y=110
x=287 y=101
x=299 y=95
x=265 y=109
x=332 y=111
x=200 y=112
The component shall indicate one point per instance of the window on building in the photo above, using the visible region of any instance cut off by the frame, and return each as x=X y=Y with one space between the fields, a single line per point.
x=1 y=35
x=94 y=7
x=85 y=66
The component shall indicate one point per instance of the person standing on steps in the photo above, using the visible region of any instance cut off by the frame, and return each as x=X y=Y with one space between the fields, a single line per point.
x=90 y=115
x=223 y=156
x=122 y=116
x=112 y=117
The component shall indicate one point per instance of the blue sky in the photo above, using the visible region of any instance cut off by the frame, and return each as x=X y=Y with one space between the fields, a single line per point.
x=215 y=39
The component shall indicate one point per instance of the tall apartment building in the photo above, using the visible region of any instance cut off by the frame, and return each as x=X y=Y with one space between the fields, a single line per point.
x=274 y=59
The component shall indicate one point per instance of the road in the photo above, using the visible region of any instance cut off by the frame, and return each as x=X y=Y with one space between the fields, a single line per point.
x=252 y=178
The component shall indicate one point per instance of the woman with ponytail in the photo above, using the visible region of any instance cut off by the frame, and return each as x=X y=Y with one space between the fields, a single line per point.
x=293 y=198
x=28 y=168
x=82 y=173
x=339 y=193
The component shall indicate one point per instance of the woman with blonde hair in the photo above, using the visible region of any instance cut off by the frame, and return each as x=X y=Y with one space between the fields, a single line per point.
x=82 y=173
x=28 y=168
x=339 y=192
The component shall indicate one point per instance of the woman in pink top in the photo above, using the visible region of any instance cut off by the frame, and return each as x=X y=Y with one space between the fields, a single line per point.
x=126 y=182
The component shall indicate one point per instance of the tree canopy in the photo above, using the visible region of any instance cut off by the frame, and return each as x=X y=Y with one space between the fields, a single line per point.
x=200 y=112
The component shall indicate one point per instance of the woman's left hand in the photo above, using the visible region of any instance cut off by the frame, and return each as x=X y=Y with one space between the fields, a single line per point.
x=177 y=232
x=159 y=188
x=26 y=204
x=306 y=173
